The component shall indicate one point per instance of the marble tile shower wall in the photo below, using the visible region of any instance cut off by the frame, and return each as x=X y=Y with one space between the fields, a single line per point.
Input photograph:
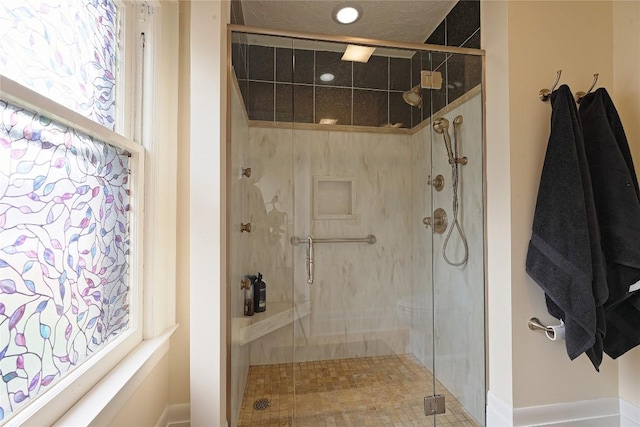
x=354 y=300
x=419 y=308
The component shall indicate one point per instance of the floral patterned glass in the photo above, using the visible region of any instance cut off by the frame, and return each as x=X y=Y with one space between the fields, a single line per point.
x=64 y=248
x=65 y=50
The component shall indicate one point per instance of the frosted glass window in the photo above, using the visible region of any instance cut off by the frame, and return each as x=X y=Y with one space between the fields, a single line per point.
x=64 y=250
x=65 y=50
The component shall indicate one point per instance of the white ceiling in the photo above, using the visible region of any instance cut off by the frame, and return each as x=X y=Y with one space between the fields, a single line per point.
x=397 y=20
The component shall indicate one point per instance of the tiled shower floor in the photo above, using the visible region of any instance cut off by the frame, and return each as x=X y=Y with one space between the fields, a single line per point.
x=368 y=391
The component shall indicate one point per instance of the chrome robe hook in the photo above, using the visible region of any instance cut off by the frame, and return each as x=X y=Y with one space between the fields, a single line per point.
x=545 y=94
x=580 y=95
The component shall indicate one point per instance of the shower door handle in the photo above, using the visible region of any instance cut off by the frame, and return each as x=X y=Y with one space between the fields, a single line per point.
x=310 y=260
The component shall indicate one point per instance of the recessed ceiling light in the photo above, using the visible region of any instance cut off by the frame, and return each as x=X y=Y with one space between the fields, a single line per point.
x=327 y=77
x=347 y=13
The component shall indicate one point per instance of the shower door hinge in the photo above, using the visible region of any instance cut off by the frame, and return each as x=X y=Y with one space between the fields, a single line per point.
x=434 y=405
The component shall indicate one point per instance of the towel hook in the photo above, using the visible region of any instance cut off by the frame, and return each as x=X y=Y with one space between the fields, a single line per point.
x=535 y=324
x=580 y=95
x=546 y=93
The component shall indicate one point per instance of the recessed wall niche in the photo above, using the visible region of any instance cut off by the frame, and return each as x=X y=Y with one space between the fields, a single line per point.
x=334 y=197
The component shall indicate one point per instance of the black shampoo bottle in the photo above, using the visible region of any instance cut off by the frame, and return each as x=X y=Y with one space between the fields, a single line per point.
x=259 y=294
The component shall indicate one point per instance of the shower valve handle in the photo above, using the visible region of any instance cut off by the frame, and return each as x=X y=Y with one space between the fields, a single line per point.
x=438 y=221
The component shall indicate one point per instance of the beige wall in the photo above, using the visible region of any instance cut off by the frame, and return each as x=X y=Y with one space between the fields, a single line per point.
x=179 y=352
x=149 y=401
x=545 y=37
x=526 y=43
x=626 y=94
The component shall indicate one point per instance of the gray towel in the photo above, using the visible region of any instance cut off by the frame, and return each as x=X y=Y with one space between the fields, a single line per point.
x=564 y=255
x=617 y=197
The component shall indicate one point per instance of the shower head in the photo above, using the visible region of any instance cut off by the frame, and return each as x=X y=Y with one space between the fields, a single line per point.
x=413 y=97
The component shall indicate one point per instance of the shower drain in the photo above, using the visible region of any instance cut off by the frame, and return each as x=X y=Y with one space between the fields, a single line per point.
x=261 y=404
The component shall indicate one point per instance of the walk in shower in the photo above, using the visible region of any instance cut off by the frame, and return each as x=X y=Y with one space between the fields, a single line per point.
x=345 y=184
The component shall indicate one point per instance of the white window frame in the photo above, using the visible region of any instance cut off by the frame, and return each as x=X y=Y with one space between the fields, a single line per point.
x=97 y=389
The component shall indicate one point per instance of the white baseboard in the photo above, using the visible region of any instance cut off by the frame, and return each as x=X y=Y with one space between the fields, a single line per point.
x=178 y=415
x=610 y=412
x=602 y=412
x=499 y=414
x=629 y=414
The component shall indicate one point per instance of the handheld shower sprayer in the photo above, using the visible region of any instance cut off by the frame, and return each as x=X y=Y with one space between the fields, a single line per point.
x=456 y=136
x=441 y=126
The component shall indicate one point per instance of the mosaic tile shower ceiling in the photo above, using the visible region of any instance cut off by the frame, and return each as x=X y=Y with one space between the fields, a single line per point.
x=64 y=249
x=376 y=391
x=65 y=50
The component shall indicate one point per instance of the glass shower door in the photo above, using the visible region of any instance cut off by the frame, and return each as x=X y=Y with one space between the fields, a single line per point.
x=458 y=247
x=352 y=200
x=261 y=214
x=363 y=351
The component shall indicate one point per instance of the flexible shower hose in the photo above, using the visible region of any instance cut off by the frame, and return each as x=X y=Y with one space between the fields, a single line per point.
x=455 y=177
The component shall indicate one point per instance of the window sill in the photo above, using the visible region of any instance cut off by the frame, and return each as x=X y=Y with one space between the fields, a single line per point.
x=106 y=398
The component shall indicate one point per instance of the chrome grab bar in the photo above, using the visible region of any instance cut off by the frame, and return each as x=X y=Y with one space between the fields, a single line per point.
x=310 y=260
x=370 y=239
x=310 y=241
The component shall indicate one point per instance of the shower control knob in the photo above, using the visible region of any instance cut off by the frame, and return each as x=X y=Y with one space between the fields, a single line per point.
x=438 y=221
x=437 y=182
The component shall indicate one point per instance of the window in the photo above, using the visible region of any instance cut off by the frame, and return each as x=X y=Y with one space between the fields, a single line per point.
x=70 y=200
x=65 y=50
